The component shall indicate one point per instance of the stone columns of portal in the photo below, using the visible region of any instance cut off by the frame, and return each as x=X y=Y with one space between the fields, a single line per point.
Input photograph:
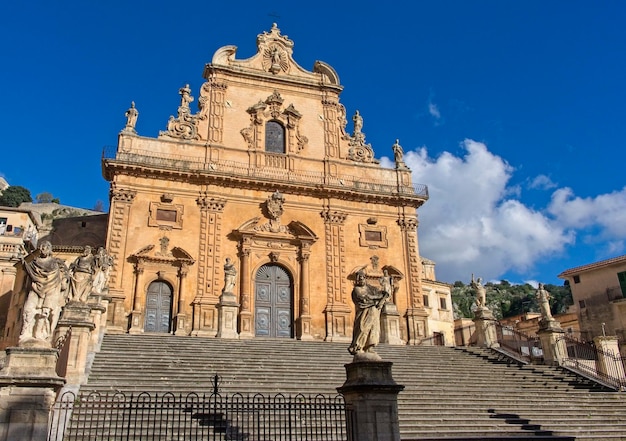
x=181 y=317
x=371 y=397
x=245 y=316
x=136 y=321
x=304 y=321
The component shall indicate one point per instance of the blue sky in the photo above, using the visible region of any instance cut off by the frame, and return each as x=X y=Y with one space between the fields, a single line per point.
x=511 y=112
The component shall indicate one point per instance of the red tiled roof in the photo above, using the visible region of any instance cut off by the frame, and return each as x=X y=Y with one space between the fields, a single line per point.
x=592 y=266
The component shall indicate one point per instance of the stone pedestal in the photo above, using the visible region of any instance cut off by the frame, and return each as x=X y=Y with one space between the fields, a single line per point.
x=486 y=336
x=136 y=322
x=179 y=324
x=227 y=310
x=552 y=342
x=28 y=388
x=303 y=328
x=390 y=325
x=118 y=320
x=371 y=397
x=78 y=317
x=246 y=329
x=416 y=322
x=609 y=362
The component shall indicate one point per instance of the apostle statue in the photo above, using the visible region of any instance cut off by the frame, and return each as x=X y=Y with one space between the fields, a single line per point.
x=102 y=267
x=81 y=276
x=480 y=291
x=368 y=302
x=46 y=296
x=543 y=297
x=230 y=273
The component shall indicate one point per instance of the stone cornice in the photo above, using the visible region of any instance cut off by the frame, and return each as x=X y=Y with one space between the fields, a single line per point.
x=113 y=167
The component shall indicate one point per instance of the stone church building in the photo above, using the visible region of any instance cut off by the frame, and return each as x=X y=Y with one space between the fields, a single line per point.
x=264 y=189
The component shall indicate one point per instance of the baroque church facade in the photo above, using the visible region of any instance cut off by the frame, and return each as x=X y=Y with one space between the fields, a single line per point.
x=250 y=216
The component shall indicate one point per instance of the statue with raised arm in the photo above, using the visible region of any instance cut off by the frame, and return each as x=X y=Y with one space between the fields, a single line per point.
x=46 y=295
x=368 y=302
x=480 y=291
x=81 y=276
x=230 y=273
x=543 y=297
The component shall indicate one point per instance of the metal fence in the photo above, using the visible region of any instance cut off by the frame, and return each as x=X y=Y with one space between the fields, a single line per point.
x=591 y=361
x=519 y=344
x=170 y=417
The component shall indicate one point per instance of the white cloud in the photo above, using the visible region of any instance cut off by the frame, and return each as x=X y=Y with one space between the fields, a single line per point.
x=603 y=216
x=472 y=224
x=434 y=110
x=542 y=182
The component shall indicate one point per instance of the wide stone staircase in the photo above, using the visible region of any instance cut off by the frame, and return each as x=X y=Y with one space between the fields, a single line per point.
x=450 y=393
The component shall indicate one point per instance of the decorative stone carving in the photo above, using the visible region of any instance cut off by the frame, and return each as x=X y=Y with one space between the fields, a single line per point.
x=273 y=211
x=185 y=126
x=480 y=292
x=360 y=151
x=81 y=276
x=272 y=109
x=275 y=49
x=122 y=194
x=47 y=294
x=131 y=119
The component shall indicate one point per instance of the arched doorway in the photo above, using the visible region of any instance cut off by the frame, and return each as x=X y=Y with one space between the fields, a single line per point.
x=273 y=300
x=158 y=307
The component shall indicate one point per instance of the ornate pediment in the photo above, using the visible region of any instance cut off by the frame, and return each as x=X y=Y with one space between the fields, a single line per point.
x=163 y=253
x=274 y=57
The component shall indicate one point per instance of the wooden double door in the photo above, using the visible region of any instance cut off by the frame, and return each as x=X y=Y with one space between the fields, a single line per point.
x=273 y=300
x=158 y=307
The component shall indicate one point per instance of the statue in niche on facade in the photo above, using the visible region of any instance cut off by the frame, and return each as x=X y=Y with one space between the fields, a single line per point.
x=46 y=295
x=543 y=297
x=131 y=118
x=230 y=274
x=368 y=302
x=81 y=276
x=480 y=292
x=102 y=267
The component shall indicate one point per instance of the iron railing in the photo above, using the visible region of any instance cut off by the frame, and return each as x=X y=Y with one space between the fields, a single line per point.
x=517 y=343
x=135 y=417
x=281 y=175
x=465 y=336
x=592 y=362
x=437 y=339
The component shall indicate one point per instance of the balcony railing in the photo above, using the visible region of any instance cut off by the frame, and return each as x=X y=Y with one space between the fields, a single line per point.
x=274 y=171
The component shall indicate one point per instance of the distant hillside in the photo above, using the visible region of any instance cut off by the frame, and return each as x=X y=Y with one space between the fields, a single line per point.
x=506 y=300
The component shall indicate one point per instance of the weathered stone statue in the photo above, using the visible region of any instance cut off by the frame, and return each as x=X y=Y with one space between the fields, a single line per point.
x=131 y=118
x=357 y=119
x=102 y=267
x=481 y=292
x=81 y=276
x=46 y=295
x=368 y=301
x=230 y=273
x=398 y=152
x=543 y=297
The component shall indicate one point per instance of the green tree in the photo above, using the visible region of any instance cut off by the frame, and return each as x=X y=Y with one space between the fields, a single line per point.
x=14 y=195
x=44 y=198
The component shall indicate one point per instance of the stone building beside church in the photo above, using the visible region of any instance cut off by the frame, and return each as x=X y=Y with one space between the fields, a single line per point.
x=265 y=174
